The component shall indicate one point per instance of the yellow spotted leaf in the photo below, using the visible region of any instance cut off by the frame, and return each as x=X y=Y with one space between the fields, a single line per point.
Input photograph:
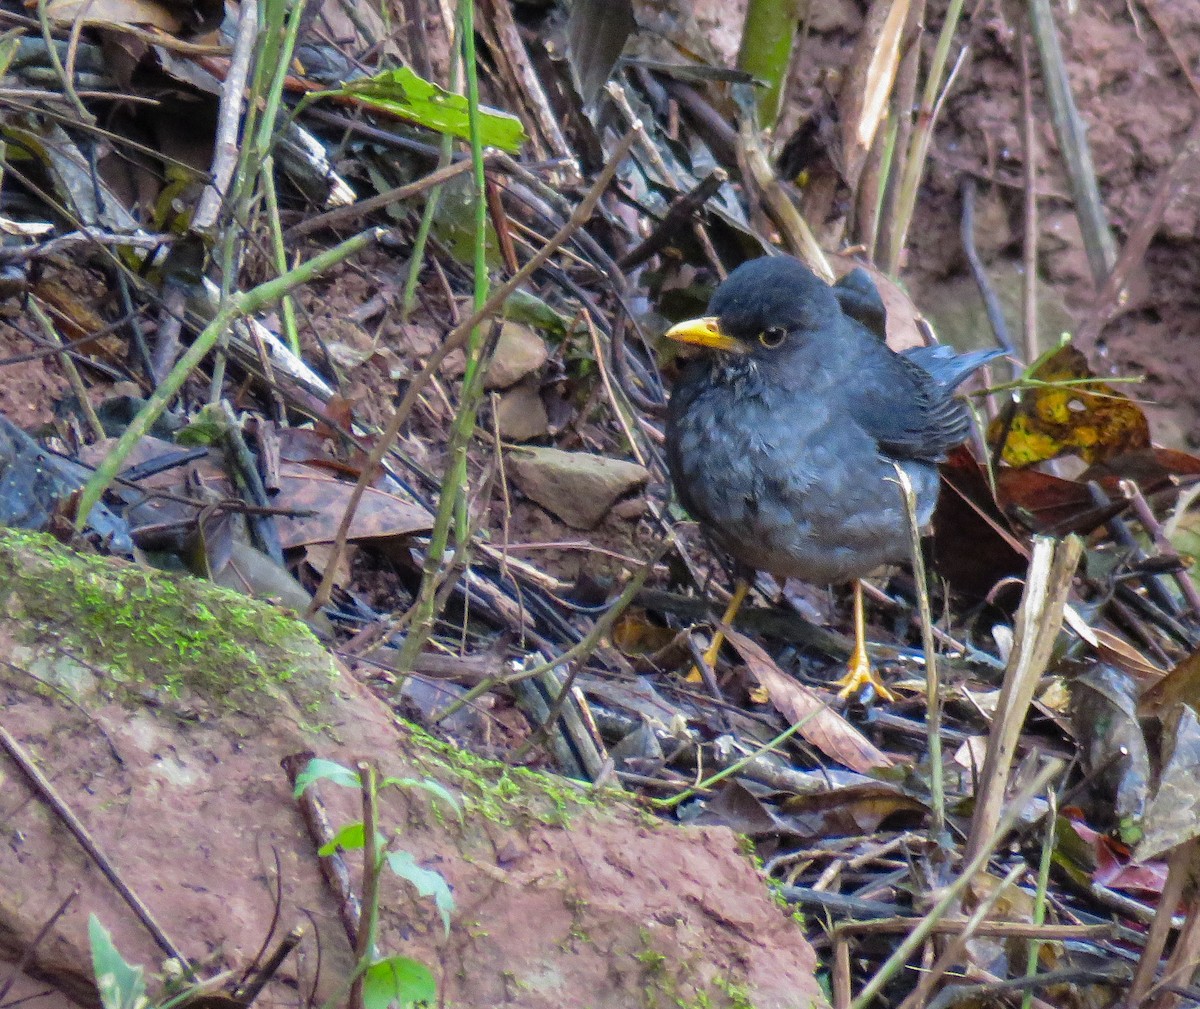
x=1068 y=411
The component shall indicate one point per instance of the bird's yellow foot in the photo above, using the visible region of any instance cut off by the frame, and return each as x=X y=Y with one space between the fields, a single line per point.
x=860 y=675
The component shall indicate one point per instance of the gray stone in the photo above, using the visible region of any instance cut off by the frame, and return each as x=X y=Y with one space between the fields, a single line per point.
x=521 y=414
x=519 y=352
x=577 y=487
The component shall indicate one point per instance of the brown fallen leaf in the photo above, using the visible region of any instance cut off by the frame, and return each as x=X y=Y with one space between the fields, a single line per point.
x=823 y=727
x=316 y=489
x=851 y=809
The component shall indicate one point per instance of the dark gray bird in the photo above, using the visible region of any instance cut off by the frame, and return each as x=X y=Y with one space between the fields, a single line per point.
x=782 y=439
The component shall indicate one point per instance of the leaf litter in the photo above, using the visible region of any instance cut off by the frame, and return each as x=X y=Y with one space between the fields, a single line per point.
x=847 y=810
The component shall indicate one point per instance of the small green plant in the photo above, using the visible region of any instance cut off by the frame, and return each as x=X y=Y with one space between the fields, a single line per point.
x=122 y=986
x=120 y=983
x=379 y=981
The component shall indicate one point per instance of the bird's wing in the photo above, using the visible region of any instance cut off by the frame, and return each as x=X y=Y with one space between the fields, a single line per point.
x=906 y=402
x=860 y=300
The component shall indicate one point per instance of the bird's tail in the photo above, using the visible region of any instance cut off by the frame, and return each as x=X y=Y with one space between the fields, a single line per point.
x=948 y=366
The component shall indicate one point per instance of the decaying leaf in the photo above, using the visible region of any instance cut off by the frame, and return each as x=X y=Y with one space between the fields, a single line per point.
x=1180 y=686
x=1173 y=815
x=1105 y=722
x=1069 y=411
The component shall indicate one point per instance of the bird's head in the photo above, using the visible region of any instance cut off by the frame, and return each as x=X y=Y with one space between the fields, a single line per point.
x=764 y=308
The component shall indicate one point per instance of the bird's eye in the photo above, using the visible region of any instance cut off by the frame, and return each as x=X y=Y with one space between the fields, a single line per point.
x=773 y=337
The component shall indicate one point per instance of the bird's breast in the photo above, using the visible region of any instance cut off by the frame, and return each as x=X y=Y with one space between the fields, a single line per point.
x=790 y=485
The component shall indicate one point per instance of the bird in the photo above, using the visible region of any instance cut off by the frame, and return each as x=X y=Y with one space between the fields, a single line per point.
x=783 y=434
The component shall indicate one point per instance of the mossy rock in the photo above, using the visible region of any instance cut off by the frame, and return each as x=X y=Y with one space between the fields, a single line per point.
x=121 y=630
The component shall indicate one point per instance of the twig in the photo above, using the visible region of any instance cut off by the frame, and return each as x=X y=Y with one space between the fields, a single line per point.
x=987 y=929
x=583 y=647
x=247 y=993
x=235 y=307
x=1179 y=868
x=509 y=39
x=841 y=973
x=796 y=233
x=952 y=893
x=1029 y=244
x=226 y=149
x=364 y=947
x=921 y=138
x=933 y=695
x=1141 y=508
x=333 y=867
x=1113 y=293
x=953 y=951
x=991 y=303
x=883 y=220
x=46 y=792
x=84 y=236
x=21 y=965
x=994 y=986
x=358 y=210
x=678 y=214
x=1038 y=623
x=609 y=391
x=1072 y=142
x=68 y=365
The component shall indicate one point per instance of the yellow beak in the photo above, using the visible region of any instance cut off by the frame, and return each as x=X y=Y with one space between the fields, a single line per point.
x=703 y=333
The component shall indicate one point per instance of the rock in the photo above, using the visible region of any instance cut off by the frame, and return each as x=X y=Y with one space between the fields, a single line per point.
x=956 y=309
x=521 y=414
x=578 y=487
x=834 y=16
x=170 y=705
x=519 y=352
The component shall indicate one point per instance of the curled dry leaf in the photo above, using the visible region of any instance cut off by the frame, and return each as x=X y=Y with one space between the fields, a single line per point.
x=823 y=727
x=1173 y=814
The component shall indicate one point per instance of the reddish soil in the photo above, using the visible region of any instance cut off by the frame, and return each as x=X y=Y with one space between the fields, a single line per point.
x=1139 y=101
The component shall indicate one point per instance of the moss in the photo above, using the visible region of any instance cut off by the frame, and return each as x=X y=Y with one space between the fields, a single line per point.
x=138 y=628
x=664 y=983
x=506 y=795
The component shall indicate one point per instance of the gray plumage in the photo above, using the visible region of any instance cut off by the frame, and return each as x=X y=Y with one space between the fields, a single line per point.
x=785 y=453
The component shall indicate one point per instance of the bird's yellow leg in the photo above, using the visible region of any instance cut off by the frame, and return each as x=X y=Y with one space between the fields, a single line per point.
x=859 y=673
x=740 y=591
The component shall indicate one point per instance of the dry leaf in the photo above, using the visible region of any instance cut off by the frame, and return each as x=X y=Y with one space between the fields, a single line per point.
x=823 y=727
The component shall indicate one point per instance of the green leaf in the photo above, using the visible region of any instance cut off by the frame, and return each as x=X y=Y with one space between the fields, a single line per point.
x=121 y=986
x=350 y=838
x=326 y=770
x=521 y=306
x=397 y=979
x=405 y=94
x=435 y=788
x=429 y=883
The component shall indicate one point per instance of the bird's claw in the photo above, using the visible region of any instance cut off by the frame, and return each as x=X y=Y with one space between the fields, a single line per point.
x=860 y=677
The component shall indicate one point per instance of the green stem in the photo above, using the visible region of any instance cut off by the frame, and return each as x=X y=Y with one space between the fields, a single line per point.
x=233 y=308
x=452 y=505
x=426 y=225
x=768 y=34
x=279 y=251
x=1043 y=886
